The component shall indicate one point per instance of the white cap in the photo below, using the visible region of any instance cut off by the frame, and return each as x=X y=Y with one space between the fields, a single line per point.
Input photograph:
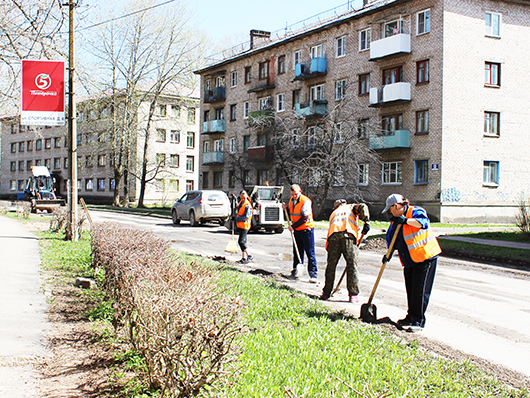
x=392 y=200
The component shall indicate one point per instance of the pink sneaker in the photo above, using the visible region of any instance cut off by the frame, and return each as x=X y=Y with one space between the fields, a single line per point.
x=353 y=298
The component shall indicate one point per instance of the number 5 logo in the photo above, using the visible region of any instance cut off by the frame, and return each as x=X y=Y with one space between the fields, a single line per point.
x=43 y=81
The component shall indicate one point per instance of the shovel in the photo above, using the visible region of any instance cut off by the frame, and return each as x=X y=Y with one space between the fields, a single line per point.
x=369 y=310
x=292 y=237
x=231 y=247
x=344 y=272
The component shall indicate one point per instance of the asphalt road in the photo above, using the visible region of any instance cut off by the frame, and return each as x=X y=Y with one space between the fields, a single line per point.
x=482 y=311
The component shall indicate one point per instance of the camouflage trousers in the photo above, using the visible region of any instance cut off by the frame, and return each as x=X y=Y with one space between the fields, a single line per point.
x=348 y=248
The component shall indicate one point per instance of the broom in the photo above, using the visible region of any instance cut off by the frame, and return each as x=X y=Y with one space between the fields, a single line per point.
x=231 y=247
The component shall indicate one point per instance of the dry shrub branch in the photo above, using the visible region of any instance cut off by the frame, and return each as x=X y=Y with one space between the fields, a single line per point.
x=173 y=314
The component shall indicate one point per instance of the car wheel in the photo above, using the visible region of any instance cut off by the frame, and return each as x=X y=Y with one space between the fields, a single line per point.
x=279 y=230
x=193 y=220
x=174 y=218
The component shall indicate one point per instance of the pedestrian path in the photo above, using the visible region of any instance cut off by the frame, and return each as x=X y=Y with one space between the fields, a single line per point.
x=23 y=320
x=490 y=242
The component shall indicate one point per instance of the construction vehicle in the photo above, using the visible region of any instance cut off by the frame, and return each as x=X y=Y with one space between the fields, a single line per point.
x=40 y=190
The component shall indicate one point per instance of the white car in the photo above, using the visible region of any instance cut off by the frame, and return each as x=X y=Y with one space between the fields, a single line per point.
x=201 y=206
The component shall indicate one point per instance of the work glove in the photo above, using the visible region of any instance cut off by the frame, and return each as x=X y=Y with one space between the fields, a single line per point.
x=387 y=259
x=366 y=228
x=400 y=220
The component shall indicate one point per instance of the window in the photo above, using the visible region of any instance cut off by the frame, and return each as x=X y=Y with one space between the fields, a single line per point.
x=162 y=110
x=393 y=28
x=21 y=185
x=392 y=123
x=262 y=177
x=191 y=115
x=20 y=165
x=205 y=178
x=56 y=163
x=29 y=145
x=422 y=72
x=246 y=142
x=492 y=74
x=493 y=24
x=248 y=74
x=421 y=169
x=13 y=185
x=112 y=184
x=233 y=112
x=232 y=145
x=57 y=142
x=364 y=84
x=89 y=184
x=316 y=92
x=341 y=47
x=189 y=185
x=491 y=123
x=65 y=163
x=264 y=69
x=422 y=122
x=14 y=147
x=217 y=179
x=175 y=111
x=219 y=114
x=79 y=139
x=48 y=143
x=393 y=75
x=161 y=159
x=159 y=184
x=262 y=139
x=280 y=103
x=231 y=179
x=101 y=184
x=14 y=128
x=174 y=160
x=311 y=136
x=338 y=177
x=423 y=22
x=38 y=144
x=174 y=136
x=297 y=58
x=364 y=39
x=173 y=185
x=363 y=128
x=48 y=163
x=81 y=116
x=102 y=160
x=92 y=115
x=340 y=89
x=220 y=81
x=21 y=146
x=29 y=163
x=281 y=64
x=206 y=146
x=219 y=145
x=190 y=139
x=104 y=113
x=295 y=137
x=491 y=172
x=246 y=110
x=13 y=166
x=362 y=174
x=391 y=173
x=89 y=161
x=190 y=163
x=338 y=137
x=297 y=97
x=161 y=135
x=38 y=162
x=317 y=51
x=264 y=103
x=233 y=79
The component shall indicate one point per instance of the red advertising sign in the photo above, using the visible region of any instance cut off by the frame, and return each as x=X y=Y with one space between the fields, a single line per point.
x=42 y=93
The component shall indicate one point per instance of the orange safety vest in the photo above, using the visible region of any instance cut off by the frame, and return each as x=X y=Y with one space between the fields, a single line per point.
x=296 y=213
x=241 y=212
x=343 y=220
x=421 y=243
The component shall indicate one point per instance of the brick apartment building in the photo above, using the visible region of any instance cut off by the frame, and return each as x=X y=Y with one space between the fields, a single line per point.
x=442 y=79
x=173 y=135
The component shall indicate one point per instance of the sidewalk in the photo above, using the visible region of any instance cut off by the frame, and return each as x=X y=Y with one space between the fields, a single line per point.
x=23 y=321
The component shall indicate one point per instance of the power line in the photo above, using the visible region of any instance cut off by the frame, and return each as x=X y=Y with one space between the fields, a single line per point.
x=126 y=15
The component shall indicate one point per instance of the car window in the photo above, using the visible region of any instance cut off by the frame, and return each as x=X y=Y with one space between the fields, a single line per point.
x=216 y=197
x=193 y=196
x=184 y=197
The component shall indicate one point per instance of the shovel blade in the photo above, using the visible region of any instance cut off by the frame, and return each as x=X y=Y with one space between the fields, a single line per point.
x=369 y=313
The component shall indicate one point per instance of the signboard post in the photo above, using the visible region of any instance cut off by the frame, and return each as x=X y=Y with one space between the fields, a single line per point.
x=42 y=93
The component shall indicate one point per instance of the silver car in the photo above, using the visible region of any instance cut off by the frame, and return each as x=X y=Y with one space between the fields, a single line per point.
x=201 y=206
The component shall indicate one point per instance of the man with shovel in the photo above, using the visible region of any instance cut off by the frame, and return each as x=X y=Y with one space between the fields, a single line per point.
x=343 y=236
x=303 y=226
x=418 y=252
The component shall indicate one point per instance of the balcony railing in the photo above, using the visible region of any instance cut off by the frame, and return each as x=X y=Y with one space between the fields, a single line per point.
x=398 y=139
x=213 y=157
x=214 y=95
x=314 y=108
x=262 y=118
x=312 y=68
x=262 y=85
x=264 y=152
x=213 y=126
x=390 y=94
x=393 y=45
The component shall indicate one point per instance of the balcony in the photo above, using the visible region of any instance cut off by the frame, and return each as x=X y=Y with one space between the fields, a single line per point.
x=312 y=68
x=213 y=127
x=391 y=94
x=261 y=119
x=262 y=85
x=213 y=157
x=398 y=139
x=390 y=46
x=215 y=95
x=262 y=153
x=316 y=108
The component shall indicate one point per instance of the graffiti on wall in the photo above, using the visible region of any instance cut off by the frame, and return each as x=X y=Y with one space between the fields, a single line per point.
x=451 y=195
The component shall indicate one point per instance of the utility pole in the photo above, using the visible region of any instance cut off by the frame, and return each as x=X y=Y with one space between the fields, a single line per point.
x=72 y=233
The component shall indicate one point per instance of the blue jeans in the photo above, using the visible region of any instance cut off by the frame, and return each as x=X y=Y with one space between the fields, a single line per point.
x=305 y=240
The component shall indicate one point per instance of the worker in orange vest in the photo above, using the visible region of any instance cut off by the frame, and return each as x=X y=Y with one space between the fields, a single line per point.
x=244 y=222
x=418 y=252
x=303 y=228
x=343 y=234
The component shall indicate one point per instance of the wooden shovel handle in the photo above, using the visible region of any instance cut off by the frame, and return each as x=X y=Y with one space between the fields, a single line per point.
x=292 y=236
x=388 y=253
